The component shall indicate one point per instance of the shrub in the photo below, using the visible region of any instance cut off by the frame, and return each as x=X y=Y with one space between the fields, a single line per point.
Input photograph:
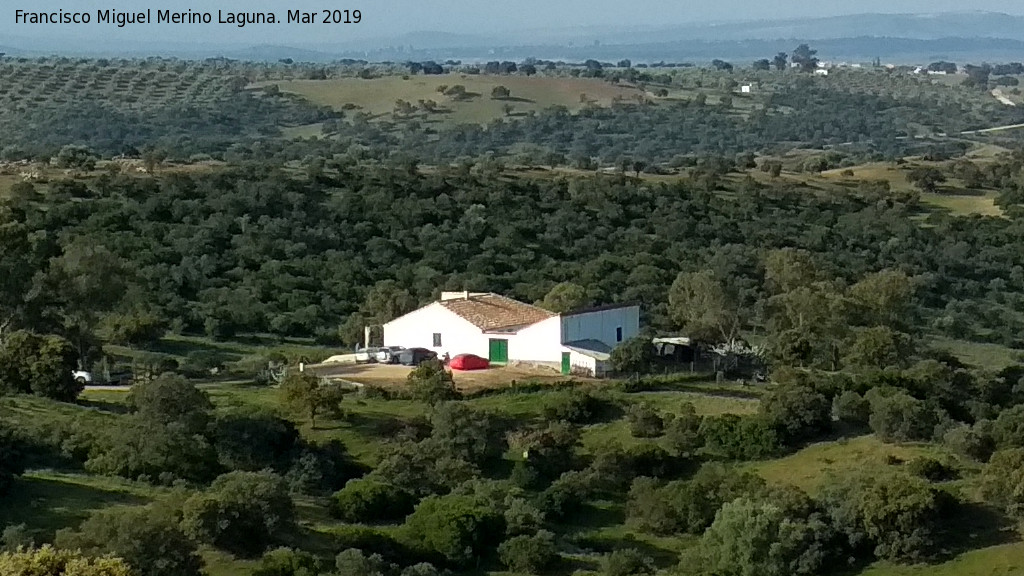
x=467 y=433
x=895 y=514
x=287 y=562
x=683 y=431
x=254 y=441
x=370 y=500
x=851 y=408
x=930 y=469
x=40 y=365
x=431 y=383
x=48 y=561
x=636 y=355
x=644 y=421
x=626 y=562
x=521 y=516
x=422 y=468
x=242 y=512
x=798 y=413
x=371 y=540
x=529 y=554
x=371 y=392
x=735 y=437
x=203 y=363
x=974 y=442
x=751 y=537
x=650 y=506
x=1008 y=428
x=171 y=399
x=421 y=569
x=459 y=528
x=565 y=495
x=901 y=418
x=576 y=406
x=688 y=506
x=548 y=452
x=320 y=468
x=615 y=468
x=14 y=537
x=524 y=475
x=139 y=448
x=353 y=562
x=1003 y=481
x=307 y=394
x=147 y=538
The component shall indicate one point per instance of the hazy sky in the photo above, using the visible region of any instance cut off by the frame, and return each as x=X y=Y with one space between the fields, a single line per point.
x=383 y=18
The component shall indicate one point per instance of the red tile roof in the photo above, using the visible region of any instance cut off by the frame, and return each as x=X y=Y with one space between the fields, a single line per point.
x=493 y=312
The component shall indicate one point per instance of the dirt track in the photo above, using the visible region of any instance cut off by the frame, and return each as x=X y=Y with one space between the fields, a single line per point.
x=395 y=375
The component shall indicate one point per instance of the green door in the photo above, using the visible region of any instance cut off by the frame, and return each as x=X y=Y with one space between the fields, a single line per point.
x=566 y=364
x=498 y=351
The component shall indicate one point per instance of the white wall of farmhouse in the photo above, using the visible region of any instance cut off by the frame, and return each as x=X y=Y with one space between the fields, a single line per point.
x=416 y=330
x=538 y=343
x=602 y=325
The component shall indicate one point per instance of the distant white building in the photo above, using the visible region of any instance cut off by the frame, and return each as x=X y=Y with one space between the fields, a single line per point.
x=745 y=89
x=821 y=72
x=506 y=331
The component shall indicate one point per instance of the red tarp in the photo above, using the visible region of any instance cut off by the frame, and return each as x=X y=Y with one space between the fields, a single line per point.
x=468 y=362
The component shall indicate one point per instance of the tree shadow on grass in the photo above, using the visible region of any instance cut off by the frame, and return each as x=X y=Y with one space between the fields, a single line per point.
x=516 y=99
x=104 y=405
x=950 y=191
x=591 y=516
x=46 y=504
x=606 y=544
x=370 y=425
x=971 y=526
x=186 y=347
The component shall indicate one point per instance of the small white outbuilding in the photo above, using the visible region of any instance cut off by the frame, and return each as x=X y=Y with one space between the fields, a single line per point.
x=506 y=331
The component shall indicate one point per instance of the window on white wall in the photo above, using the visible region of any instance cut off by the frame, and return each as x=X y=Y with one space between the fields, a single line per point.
x=437 y=339
x=618 y=334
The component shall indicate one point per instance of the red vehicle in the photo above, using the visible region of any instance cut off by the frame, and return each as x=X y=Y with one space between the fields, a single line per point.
x=467 y=362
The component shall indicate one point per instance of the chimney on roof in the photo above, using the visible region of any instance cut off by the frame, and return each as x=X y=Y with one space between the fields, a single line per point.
x=445 y=296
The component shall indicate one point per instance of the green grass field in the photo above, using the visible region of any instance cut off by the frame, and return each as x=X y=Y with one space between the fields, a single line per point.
x=1001 y=560
x=811 y=467
x=990 y=356
x=45 y=500
x=377 y=96
x=952 y=197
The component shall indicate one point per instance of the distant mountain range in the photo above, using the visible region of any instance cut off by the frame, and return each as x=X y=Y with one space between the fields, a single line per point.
x=896 y=38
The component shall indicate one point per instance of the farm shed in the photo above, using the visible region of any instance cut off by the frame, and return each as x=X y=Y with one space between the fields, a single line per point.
x=507 y=331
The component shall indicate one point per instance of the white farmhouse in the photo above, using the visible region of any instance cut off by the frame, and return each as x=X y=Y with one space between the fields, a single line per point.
x=507 y=331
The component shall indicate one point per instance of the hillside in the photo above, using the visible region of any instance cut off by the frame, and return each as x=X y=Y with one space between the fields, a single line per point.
x=747 y=318
x=527 y=94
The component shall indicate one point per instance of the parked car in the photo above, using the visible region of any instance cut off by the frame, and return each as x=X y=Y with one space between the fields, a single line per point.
x=415 y=356
x=389 y=354
x=366 y=355
x=469 y=362
x=82 y=376
x=86 y=378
